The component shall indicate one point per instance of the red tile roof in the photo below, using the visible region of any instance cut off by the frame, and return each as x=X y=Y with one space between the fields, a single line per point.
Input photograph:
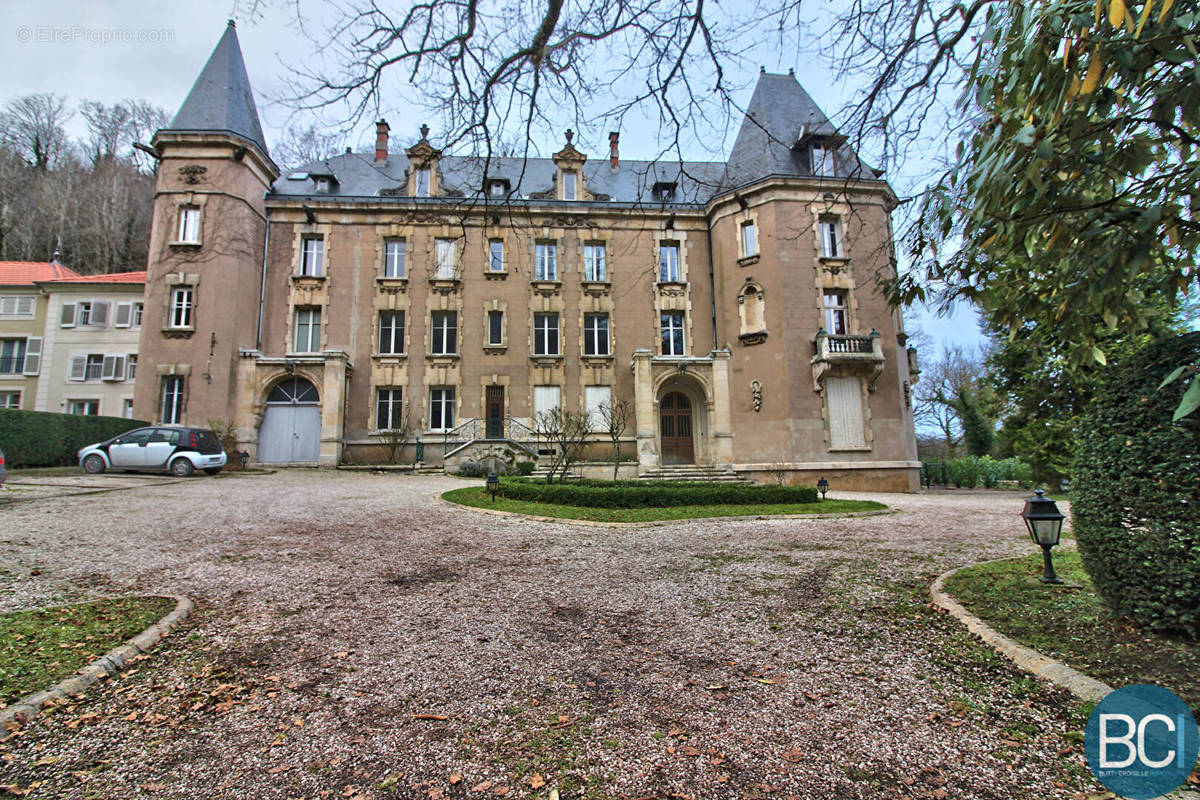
x=25 y=273
x=111 y=277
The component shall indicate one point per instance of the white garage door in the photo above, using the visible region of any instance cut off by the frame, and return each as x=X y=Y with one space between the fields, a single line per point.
x=291 y=428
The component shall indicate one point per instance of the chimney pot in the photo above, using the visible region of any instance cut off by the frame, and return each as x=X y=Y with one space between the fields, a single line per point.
x=613 y=159
x=381 y=141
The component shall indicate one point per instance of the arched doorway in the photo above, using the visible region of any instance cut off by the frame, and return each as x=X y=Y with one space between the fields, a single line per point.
x=675 y=429
x=291 y=427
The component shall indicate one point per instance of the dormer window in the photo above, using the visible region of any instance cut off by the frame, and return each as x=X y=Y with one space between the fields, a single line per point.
x=663 y=191
x=821 y=154
x=570 y=187
x=497 y=187
x=423 y=182
x=322 y=184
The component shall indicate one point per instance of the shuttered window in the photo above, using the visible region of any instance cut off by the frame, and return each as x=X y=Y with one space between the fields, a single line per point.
x=846 y=426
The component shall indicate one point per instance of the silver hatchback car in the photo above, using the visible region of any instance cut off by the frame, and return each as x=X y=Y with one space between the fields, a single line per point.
x=162 y=448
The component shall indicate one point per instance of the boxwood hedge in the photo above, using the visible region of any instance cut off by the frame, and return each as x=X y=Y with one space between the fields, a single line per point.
x=42 y=439
x=645 y=494
x=1135 y=497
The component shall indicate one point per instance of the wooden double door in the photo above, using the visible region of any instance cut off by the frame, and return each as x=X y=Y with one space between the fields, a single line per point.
x=675 y=429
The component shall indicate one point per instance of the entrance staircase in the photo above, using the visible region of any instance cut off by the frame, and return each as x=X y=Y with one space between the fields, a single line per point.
x=693 y=472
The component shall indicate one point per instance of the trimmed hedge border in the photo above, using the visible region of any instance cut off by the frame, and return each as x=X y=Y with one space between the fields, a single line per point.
x=640 y=494
x=44 y=439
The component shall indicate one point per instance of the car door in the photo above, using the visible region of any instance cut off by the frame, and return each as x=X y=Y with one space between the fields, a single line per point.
x=162 y=443
x=129 y=451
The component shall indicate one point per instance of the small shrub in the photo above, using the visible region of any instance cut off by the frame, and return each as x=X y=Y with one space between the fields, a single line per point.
x=471 y=469
x=1135 y=499
x=525 y=468
x=227 y=433
x=43 y=439
x=964 y=472
x=642 y=494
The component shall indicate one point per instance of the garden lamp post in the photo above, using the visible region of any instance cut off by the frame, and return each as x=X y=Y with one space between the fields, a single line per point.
x=1044 y=521
x=823 y=486
x=493 y=483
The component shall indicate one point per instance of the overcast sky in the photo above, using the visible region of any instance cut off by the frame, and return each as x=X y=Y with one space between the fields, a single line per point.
x=111 y=50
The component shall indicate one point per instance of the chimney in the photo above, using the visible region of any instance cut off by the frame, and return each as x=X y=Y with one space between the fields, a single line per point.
x=613 y=160
x=381 y=141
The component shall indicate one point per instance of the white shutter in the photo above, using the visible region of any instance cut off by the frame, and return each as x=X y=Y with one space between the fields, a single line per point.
x=8 y=305
x=33 y=355
x=124 y=315
x=545 y=398
x=108 y=369
x=444 y=252
x=25 y=306
x=844 y=396
x=594 y=397
x=99 y=313
x=68 y=315
x=78 y=368
x=118 y=368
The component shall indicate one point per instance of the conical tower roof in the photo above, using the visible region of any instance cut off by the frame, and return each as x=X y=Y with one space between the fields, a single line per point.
x=221 y=99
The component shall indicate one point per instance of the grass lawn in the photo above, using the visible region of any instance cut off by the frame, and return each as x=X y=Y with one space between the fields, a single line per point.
x=1074 y=626
x=38 y=648
x=479 y=498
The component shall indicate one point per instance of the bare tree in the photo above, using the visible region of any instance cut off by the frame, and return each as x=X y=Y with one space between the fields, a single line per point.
x=953 y=386
x=614 y=417
x=567 y=431
x=300 y=146
x=32 y=126
x=396 y=436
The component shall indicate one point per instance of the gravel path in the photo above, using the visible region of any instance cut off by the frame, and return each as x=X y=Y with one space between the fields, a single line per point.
x=353 y=638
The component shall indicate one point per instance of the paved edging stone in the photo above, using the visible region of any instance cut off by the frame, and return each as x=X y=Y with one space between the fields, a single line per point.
x=1028 y=659
x=25 y=709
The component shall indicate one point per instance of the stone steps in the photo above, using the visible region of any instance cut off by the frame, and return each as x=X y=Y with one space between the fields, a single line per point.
x=692 y=472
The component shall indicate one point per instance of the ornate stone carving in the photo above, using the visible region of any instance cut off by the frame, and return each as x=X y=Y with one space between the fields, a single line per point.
x=565 y=221
x=756 y=394
x=192 y=173
x=758 y=337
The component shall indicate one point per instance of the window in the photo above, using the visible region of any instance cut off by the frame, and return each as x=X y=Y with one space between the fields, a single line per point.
x=595 y=400
x=137 y=315
x=93 y=367
x=87 y=408
x=85 y=313
x=12 y=356
x=663 y=191
x=445 y=253
x=545 y=262
x=830 y=229
x=497 y=187
x=131 y=367
x=10 y=399
x=441 y=409
x=495 y=256
x=189 y=225
x=822 y=159
x=312 y=256
x=423 y=182
x=672 y=333
x=545 y=400
x=595 y=334
x=749 y=240
x=114 y=368
x=668 y=263
x=443 y=338
x=181 y=307
x=495 y=328
x=127 y=408
x=545 y=334
x=394 y=253
x=835 y=312
x=389 y=408
x=308 y=330
x=569 y=185
x=15 y=305
x=124 y=316
x=391 y=332
x=595 y=267
x=322 y=184
x=171 y=404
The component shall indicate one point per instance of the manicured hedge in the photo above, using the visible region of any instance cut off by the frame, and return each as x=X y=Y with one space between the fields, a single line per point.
x=42 y=439
x=644 y=494
x=1135 y=495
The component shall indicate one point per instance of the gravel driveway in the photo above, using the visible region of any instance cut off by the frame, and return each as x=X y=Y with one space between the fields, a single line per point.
x=356 y=638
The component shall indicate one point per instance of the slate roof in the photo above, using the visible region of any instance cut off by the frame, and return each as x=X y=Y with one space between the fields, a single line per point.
x=26 y=273
x=107 y=278
x=221 y=99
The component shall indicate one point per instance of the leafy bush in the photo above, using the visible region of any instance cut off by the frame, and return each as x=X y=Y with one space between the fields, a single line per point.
x=43 y=439
x=525 y=467
x=471 y=469
x=1136 y=492
x=964 y=472
x=643 y=494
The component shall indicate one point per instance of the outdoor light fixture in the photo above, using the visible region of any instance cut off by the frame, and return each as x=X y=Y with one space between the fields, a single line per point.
x=1044 y=521
x=1065 y=485
x=245 y=457
x=493 y=483
x=823 y=486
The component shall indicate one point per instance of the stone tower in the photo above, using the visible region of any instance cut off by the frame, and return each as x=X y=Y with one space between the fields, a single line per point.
x=205 y=268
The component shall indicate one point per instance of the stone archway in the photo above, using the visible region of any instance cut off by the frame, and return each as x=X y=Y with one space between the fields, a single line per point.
x=676 y=429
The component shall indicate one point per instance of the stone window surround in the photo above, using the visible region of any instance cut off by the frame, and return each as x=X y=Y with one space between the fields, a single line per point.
x=195 y=200
x=180 y=280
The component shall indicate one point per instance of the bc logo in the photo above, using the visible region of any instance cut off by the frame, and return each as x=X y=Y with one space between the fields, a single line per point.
x=1141 y=741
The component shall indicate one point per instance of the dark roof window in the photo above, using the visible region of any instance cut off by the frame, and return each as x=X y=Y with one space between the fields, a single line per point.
x=497 y=187
x=663 y=191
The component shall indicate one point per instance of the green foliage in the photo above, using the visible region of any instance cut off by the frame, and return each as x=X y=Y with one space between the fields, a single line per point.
x=642 y=494
x=525 y=468
x=1136 y=492
x=978 y=431
x=41 y=439
x=969 y=472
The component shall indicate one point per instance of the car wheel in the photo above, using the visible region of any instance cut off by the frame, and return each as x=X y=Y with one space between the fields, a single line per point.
x=93 y=464
x=212 y=470
x=182 y=468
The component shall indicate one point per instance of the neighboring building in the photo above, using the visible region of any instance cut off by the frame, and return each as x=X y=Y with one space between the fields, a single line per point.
x=89 y=353
x=733 y=305
x=22 y=326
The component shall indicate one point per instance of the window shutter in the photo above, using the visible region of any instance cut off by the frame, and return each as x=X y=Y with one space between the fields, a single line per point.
x=8 y=305
x=33 y=355
x=25 y=306
x=846 y=428
x=78 y=368
x=118 y=368
x=68 y=315
x=100 y=313
x=107 y=370
x=124 y=315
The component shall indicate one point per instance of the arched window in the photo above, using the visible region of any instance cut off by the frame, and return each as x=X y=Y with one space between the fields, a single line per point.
x=752 y=310
x=293 y=391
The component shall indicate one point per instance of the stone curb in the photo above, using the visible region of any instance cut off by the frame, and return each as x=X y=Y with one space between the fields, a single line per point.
x=657 y=523
x=1080 y=685
x=25 y=709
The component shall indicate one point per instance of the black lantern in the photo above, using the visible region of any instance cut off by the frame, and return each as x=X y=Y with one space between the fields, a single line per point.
x=823 y=486
x=1065 y=485
x=493 y=483
x=245 y=458
x=1044 y=521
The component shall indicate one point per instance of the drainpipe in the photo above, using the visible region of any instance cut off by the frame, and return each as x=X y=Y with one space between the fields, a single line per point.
x=262 y=286
x=712 y=281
